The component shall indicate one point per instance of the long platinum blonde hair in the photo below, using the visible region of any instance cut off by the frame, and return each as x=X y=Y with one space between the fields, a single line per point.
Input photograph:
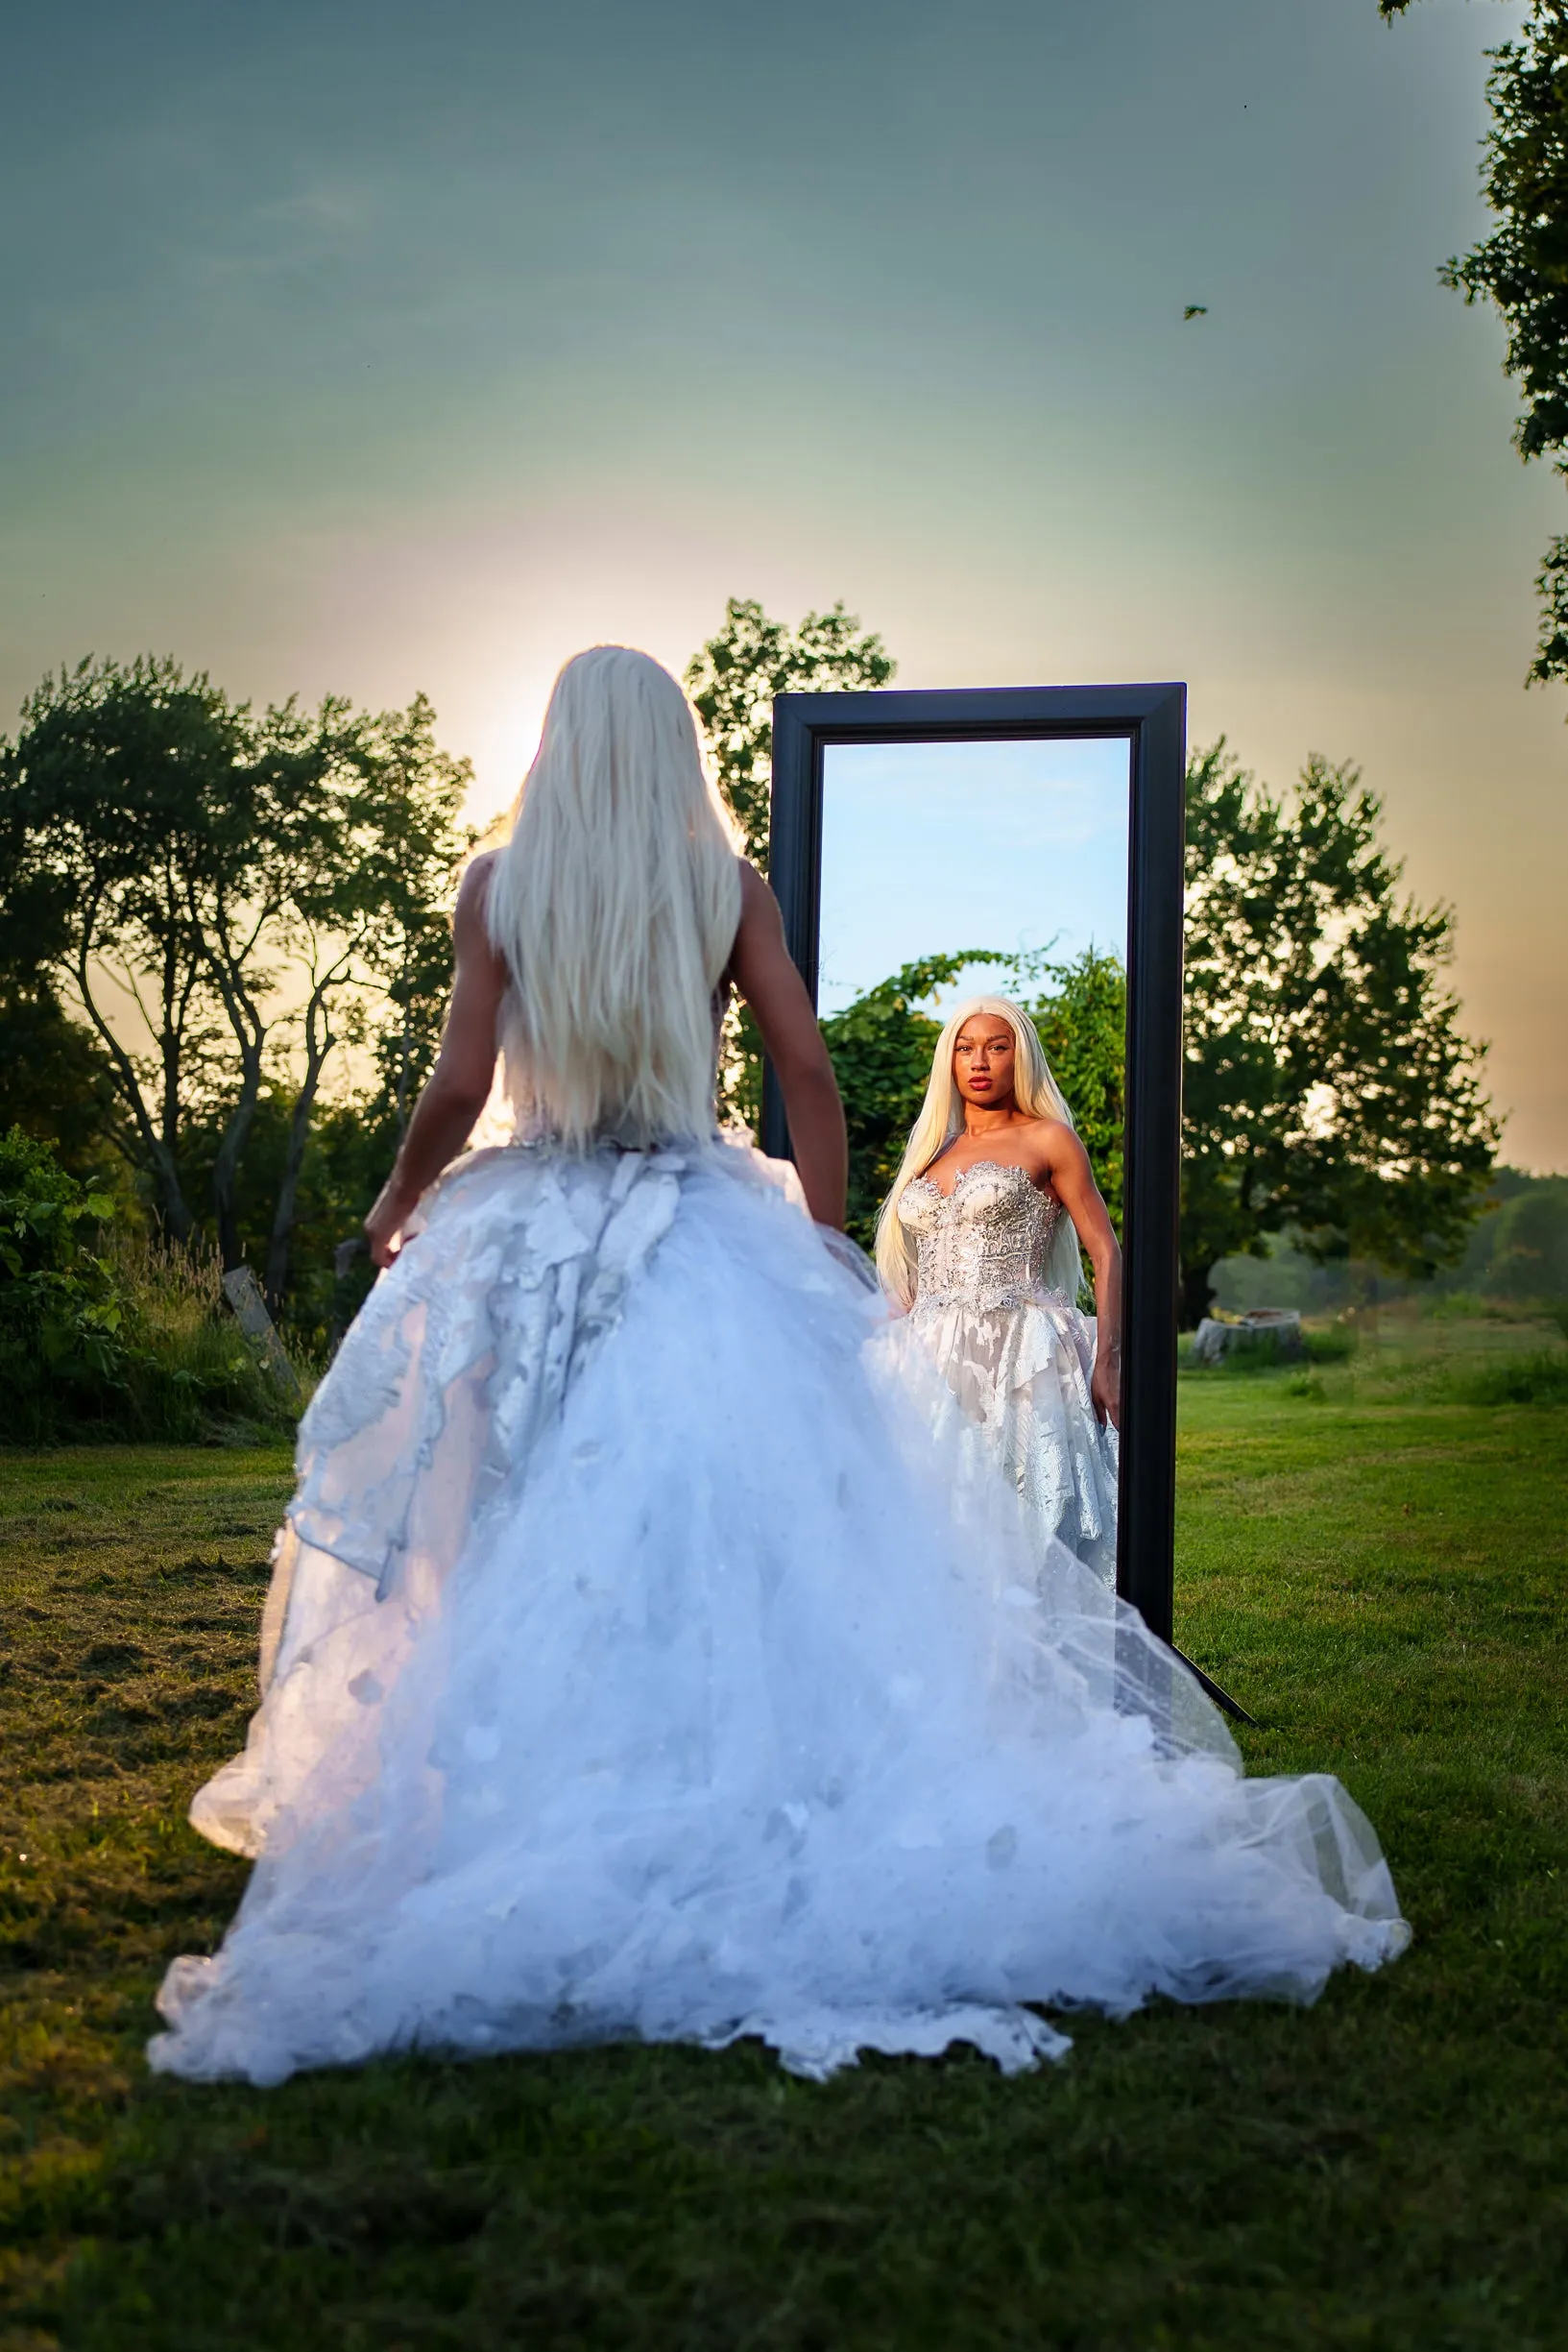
x=942 y=1117
x=615 y=902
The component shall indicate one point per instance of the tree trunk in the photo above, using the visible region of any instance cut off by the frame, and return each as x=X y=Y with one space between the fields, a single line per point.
x=318 y=1043
x=285 y=1215
x=158 y=1152
x=250 y=1033
x=170 y=1198
x=226 y=1167
x=1196 y=1293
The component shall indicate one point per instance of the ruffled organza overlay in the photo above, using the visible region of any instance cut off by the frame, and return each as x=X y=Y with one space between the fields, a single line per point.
x=636 y=1664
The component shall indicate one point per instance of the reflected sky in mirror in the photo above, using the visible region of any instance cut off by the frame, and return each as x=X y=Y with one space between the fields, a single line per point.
x=929 y=848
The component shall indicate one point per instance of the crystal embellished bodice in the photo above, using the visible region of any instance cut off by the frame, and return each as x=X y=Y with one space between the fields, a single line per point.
x=985 y=1245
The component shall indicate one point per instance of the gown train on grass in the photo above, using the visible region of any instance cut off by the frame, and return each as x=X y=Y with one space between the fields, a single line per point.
x=639 y=1663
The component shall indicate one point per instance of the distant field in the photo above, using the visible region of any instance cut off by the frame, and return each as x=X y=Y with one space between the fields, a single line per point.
x=1379 y=1578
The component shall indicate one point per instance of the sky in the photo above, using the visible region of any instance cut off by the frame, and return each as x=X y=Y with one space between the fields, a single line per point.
x=367 y=347
x=1019 y=847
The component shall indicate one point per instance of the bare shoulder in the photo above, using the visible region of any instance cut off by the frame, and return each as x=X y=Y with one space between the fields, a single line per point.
x=756 y=895
x=473 y=889
x=760 y=918
x=1051 y=1144
x=470 y=932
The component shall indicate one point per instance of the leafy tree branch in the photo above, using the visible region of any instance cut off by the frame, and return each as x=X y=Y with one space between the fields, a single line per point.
x=1522 y=267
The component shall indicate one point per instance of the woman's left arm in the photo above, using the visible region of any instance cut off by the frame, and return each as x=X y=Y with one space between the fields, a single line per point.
x=1073 y=1180
x=458 y=1087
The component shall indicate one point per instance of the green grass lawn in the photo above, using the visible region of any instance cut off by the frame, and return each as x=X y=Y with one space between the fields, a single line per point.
x=1380 y=1583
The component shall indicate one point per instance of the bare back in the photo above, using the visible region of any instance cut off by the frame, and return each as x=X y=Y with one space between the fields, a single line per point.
x=759 y=966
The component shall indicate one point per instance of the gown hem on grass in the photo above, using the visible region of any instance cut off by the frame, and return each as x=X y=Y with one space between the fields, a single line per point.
x=639 y=1663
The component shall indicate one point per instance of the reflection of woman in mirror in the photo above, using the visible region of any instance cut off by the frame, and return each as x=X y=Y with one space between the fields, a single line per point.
x=979 y=1240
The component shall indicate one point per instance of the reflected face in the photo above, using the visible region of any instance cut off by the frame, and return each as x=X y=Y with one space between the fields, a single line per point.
x=983 y=1054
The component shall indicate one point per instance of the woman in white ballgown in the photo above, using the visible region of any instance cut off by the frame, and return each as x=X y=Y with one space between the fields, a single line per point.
x=636 y=1666
x=977 y=1245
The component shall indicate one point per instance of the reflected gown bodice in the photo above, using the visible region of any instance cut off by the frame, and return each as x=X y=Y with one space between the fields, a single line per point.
x=1015 y=1355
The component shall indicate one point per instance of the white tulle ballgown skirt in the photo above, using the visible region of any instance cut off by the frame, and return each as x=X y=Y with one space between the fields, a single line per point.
x=637 y=1666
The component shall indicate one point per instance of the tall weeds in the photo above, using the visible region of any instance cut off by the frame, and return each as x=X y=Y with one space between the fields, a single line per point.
x=194 y=1374
x=105 y=1332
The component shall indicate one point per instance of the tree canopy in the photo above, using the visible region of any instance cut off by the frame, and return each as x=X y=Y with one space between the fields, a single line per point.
x=221 y=896
x=1328 y=1086
x=212 y=911
x=1522 y=267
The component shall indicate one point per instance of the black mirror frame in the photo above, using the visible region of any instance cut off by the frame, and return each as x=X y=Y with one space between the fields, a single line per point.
x=1153 y=721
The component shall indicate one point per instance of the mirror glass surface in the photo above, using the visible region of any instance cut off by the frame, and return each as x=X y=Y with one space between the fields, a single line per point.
x=929 y=848
x=1010 y=855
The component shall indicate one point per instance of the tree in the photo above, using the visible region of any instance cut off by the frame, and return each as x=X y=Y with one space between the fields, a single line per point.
x=244 y=890
x=1328 y=1088
x=1520 y=1249
x=60 y=1314
x=731 y=681
x=124 y=794
x=367 y=921
x=55 y=1080
x=277 y=857
x=1522 y=268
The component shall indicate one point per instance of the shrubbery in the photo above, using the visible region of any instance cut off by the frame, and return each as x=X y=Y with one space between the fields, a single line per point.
x=61 y=1313
x=105 y=1334
x=1538 y=1378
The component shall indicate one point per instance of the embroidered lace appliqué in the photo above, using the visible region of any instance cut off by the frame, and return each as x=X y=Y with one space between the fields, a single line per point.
x=983 y=1245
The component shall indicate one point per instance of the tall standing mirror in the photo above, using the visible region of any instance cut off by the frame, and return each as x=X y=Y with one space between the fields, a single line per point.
x=1026 y=841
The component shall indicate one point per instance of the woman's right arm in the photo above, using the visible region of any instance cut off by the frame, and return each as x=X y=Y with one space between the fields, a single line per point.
x=1073 y=1180
x=765 y=973
x=457 y=1088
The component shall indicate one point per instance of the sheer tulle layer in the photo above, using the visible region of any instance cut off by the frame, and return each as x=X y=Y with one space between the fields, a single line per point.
x=639 y=1666
x=1013 y=1394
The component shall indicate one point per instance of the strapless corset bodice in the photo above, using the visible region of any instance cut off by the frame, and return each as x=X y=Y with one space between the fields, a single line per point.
x=985 y=1245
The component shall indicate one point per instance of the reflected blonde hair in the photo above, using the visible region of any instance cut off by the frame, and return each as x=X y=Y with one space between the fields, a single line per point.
x=942 y=1117
x=615 y=902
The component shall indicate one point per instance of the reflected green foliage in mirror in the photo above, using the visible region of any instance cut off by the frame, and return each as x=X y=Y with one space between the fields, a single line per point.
x=1082 y=1021
x=881 y=1047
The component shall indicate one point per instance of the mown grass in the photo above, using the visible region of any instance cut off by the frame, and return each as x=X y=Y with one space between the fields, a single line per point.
x=1381 y=1583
